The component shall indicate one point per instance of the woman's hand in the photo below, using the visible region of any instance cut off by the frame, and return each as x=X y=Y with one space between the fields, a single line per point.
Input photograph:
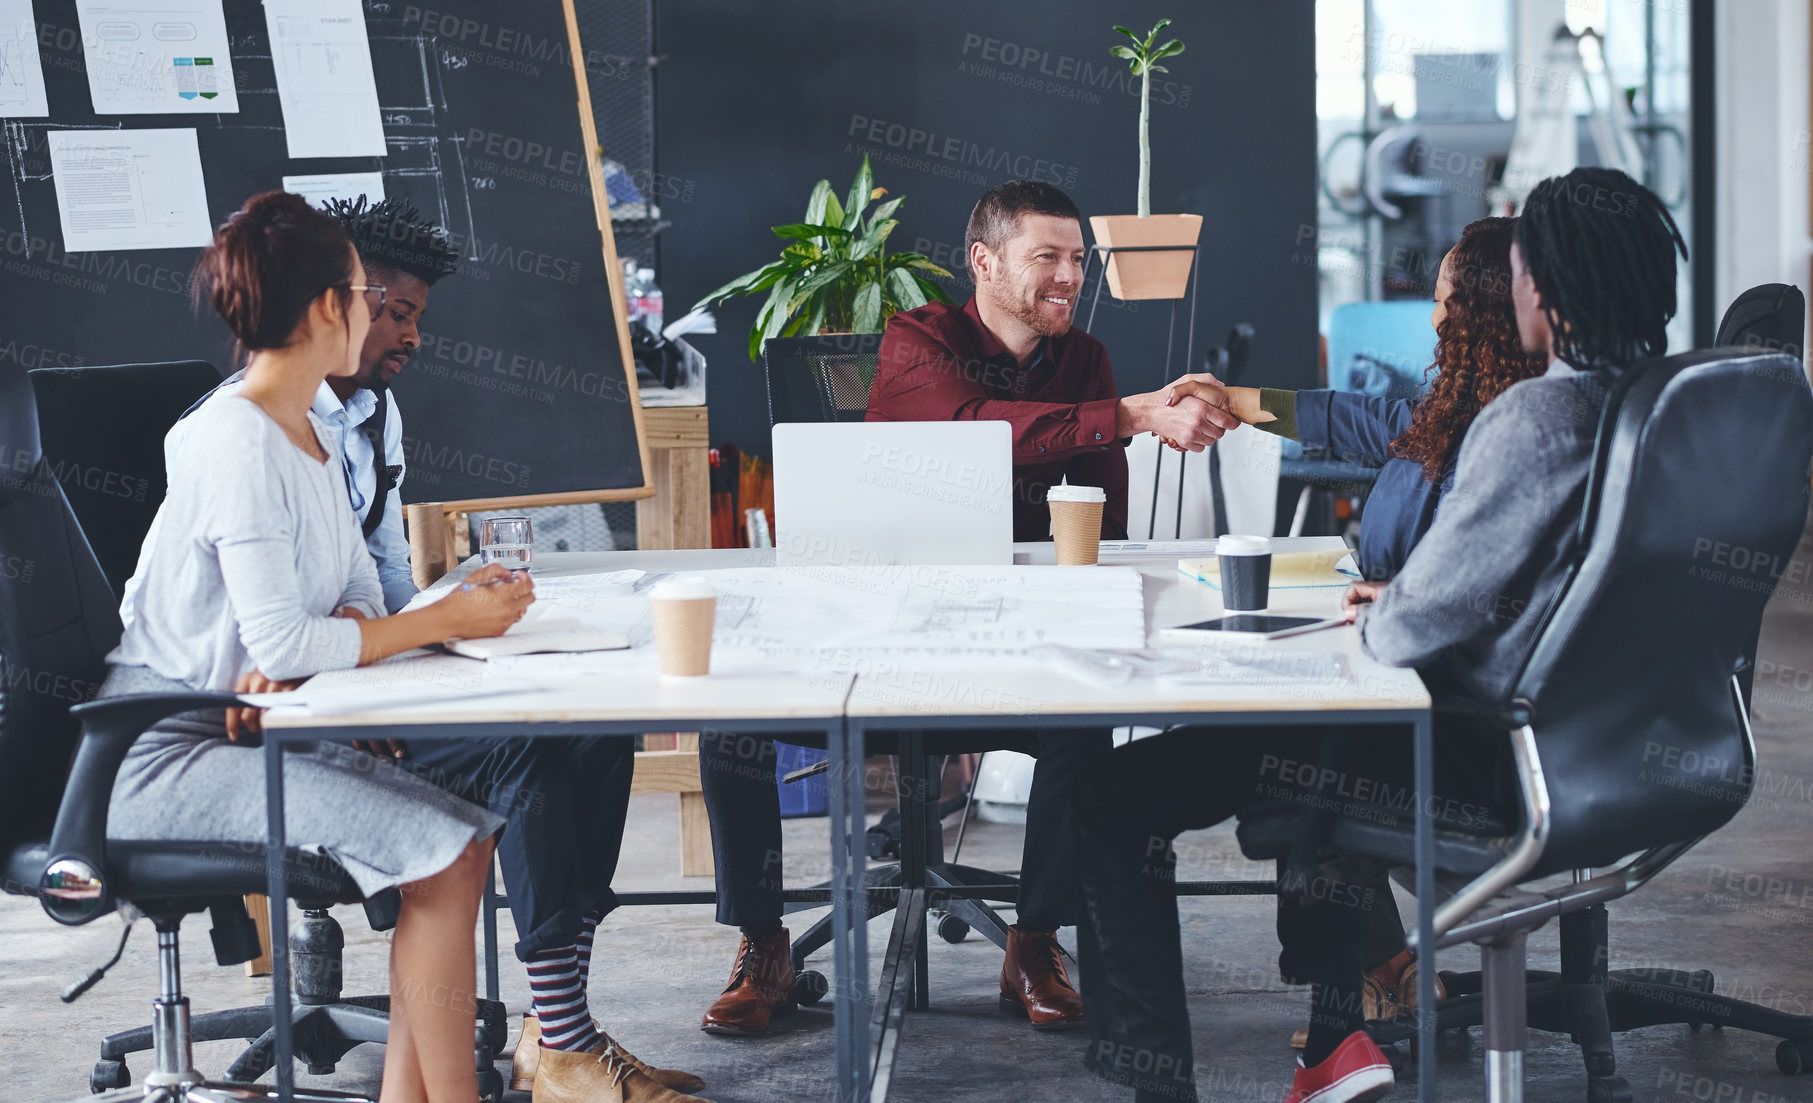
x=1358 y=594
x=250 y=720
x=487 y=603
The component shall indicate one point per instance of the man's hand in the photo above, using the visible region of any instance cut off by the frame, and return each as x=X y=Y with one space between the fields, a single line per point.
x=249 y=720
x=1187 y=426
x=1358 y=594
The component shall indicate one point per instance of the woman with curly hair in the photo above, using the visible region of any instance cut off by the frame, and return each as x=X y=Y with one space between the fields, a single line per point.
x=1413 y=442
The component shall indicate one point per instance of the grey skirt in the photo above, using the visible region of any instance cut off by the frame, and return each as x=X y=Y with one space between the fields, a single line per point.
x=182 y=780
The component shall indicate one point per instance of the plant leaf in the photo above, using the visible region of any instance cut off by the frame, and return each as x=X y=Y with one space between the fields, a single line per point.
x=918 y=262
x=1169 y=49
x=1126 y=32
x=815 y=206
x=1124 y=52
x=834 y=211
x=886 y=210
x=871 y=241
x=906 y=289
x=781 y=294
x=824 y=277
x=808 y=231
x=747 y=283
x=815 y=321
x=859 y=195
x=933 y=290
x=867 y=308
x=1161 y=25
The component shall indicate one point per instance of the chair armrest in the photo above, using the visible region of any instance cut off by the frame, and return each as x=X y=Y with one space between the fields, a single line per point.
x=109 y=727
x=1510 y=716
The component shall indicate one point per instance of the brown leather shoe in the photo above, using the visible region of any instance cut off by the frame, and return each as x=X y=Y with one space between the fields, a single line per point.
x=1387 y=991
x=603 y=1074
x=760 y=988
x=527 y=1059
x=1034 y=982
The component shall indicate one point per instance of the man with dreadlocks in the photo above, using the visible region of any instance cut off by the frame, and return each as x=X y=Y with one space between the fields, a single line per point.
x=564 y=800
x=1593 y=279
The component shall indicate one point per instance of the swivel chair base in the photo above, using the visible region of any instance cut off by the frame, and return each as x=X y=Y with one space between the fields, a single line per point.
x=211 y=1092
x=325 y=1026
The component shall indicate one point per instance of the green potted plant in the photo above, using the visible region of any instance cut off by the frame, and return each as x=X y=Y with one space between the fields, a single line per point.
x=1153 y=275
x=834 y=275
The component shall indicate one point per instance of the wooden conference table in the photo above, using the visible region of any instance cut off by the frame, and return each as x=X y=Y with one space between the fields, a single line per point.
x=1323 y=678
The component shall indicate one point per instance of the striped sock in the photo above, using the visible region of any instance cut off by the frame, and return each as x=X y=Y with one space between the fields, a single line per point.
x=588 y=924
x=559 y=1000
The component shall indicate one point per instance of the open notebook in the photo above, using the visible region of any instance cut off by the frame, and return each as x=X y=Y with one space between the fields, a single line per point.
x=562 y=634
x=1290 y=570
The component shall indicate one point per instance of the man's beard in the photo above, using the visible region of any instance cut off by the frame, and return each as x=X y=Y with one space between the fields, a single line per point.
x=1032 y=315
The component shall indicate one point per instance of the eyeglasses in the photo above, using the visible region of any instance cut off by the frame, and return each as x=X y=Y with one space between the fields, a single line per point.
x=375 y=295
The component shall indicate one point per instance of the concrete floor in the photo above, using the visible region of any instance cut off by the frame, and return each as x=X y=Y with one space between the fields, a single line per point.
x=1740 y=905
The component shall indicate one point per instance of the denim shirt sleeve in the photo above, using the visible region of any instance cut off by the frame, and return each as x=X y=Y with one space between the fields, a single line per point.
x=1357 y=428
x=389 y=547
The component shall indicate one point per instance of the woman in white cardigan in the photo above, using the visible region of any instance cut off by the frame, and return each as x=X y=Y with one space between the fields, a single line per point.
x=256 y=576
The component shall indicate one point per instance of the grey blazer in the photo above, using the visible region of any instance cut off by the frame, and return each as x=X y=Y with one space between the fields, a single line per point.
x=1464 y=609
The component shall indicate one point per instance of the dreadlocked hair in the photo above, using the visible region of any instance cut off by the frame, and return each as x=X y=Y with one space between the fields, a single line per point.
x=393 y=234
x=1478 y=354
x=1601 y=249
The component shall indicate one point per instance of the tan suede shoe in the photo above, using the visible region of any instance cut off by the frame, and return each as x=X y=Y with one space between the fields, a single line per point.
x=603 y=1074
x=527 y=1060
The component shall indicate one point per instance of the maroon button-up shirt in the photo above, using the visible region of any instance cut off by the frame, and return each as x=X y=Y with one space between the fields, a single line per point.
x=940 y=363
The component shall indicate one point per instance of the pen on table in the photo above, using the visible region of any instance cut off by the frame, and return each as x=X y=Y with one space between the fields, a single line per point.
x=514 y=576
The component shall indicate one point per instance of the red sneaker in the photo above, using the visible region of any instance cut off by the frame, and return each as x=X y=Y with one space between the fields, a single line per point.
x=1356 y=1072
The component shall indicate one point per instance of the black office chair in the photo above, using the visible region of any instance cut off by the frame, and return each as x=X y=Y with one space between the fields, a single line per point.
x=102 y=430
x=1771 y=317
x=824 y=378
x=108 y=425
x=58 y=625
x=1635 y=672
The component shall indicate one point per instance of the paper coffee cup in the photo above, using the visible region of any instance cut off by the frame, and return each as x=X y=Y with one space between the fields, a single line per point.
x=684 y=609
x=1076 y=523
x=1246 y=572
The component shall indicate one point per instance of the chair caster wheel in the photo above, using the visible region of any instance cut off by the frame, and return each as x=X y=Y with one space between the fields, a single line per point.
x=952 y=929
x=109 y=1075
x=810 y=987
x=1608 y=1089
x=1793 y=1057
x=490 y=1086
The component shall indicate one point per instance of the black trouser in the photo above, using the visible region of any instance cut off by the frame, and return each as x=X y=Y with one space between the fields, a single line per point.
x=1146 y=794
x=565 y=800
x=737 y=772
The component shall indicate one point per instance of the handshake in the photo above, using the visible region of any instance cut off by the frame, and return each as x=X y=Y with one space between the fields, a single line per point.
x=1190 y=414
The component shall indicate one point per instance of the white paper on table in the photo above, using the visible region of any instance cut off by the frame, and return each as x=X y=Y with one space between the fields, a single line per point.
x=21 y=72
x=158 y=57
x=324 y=78
x=321 y=187
x=129 y=189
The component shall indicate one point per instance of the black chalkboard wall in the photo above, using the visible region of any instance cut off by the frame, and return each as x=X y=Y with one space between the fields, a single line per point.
x=758 y=100
x=520 y=387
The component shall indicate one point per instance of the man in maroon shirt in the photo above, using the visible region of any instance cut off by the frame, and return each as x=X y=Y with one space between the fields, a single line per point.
x=1010 y=354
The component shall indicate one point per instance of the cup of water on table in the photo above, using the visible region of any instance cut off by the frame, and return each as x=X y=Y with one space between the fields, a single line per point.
x=507 y=541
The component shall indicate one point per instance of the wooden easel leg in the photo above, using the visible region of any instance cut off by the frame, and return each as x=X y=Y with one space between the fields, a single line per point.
x=260 y=908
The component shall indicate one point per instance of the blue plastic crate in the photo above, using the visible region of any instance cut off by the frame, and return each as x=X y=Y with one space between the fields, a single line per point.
x=808 y=797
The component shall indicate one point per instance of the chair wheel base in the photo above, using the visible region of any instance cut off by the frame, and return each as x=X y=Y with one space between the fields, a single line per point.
x=1608 y=1089
x=952 y=929
x=809 y=987
x=108 y=1075
x=1794 y=1057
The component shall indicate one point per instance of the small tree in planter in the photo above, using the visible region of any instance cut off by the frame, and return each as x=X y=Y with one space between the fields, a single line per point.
x=1154 y=275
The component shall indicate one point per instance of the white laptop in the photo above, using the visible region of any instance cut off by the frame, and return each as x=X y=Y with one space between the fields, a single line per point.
x=882 y=493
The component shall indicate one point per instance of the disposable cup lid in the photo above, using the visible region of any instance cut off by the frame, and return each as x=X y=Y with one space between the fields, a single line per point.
x=683 y=588
x=1068 y=493
x=1243 y=545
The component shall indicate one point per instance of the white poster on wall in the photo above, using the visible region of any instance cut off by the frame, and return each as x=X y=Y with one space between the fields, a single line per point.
x=157 y=57
x=129 y=189
x=321 y=187
x=324 y=78
x=21 y=72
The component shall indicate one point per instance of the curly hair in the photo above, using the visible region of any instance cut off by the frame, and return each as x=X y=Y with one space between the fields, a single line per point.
x=392 y=234
x=1478 y=354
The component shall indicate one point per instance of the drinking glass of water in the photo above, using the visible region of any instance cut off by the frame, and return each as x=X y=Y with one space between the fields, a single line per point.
x=506 y=541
